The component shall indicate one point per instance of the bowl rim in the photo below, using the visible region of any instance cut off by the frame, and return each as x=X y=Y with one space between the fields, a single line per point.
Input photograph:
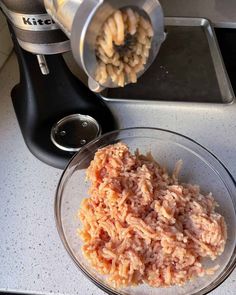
x=57 y=207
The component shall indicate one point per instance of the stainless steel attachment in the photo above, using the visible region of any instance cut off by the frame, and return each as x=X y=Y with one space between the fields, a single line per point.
x=81 y=20
x=43 y=64
x=74 y=131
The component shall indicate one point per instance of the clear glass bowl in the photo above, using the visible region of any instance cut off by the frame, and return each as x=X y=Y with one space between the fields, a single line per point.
x=200 y=167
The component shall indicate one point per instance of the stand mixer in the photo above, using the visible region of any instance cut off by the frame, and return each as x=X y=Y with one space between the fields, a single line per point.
x=57 y=113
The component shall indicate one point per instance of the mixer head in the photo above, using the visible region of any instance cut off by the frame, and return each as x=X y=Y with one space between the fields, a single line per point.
x=84 y=26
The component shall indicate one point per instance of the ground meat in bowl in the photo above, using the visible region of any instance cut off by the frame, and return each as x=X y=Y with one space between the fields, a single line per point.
x=141 y=225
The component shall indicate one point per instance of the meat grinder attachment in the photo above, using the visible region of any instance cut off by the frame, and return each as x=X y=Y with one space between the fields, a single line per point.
x=82 y=21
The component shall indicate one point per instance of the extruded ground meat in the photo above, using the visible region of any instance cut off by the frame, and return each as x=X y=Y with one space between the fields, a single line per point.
x=122 y=47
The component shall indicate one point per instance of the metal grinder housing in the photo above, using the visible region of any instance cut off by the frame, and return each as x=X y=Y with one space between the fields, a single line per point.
x=82 y=21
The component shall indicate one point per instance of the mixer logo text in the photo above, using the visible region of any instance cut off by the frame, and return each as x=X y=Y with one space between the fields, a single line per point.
x=32 y=21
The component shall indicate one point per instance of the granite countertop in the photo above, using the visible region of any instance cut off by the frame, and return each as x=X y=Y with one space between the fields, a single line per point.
x=32 y=257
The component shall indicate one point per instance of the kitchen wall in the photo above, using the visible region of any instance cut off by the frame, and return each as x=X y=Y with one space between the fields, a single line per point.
x=5 y=40
x=222 y=13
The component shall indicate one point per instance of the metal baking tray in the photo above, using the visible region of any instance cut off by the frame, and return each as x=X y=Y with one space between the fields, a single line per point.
x=188 y=68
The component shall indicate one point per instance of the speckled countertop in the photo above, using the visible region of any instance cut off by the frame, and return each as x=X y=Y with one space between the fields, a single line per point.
x=32 y=258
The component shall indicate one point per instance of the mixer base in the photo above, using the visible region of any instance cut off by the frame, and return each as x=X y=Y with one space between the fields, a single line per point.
x=40 y=101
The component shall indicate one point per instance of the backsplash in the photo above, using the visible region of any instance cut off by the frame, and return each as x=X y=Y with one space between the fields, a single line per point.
x=5 y=40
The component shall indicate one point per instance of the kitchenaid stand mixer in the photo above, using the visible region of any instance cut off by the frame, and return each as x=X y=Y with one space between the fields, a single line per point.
x=56 y=112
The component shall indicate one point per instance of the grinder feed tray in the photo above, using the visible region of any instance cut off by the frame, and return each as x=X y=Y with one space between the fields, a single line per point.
x=189 y=68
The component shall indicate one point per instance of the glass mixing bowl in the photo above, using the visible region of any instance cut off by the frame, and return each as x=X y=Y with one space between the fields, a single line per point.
x=200 y=167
